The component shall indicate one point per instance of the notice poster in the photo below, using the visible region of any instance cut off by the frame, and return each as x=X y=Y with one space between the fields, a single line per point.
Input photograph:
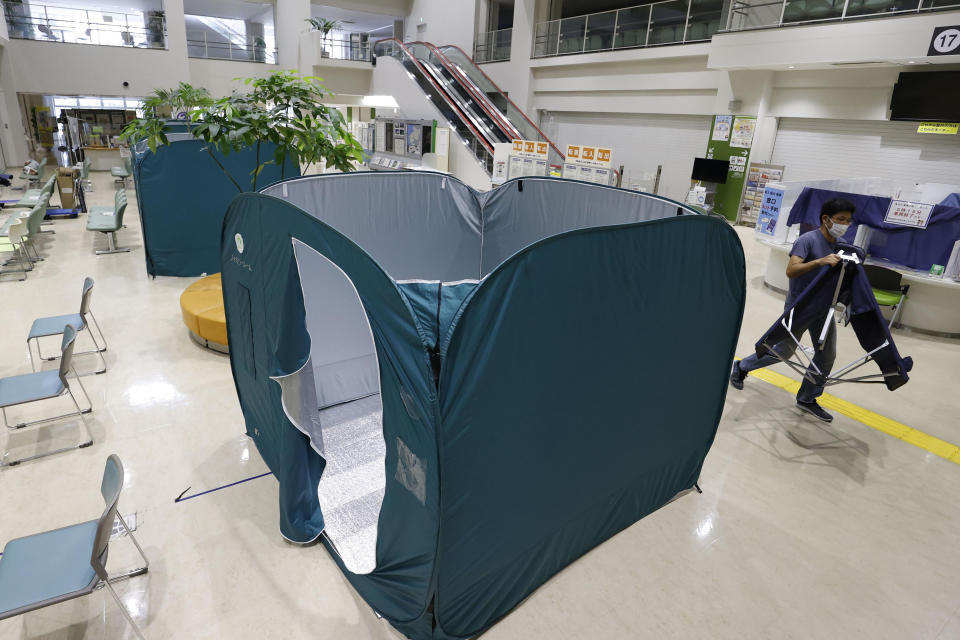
x=742 y=134
x=414 y=140
x=769 y=211
x=939 y=128
x=442 y=143
x=380 y=136
x=516 y=167
x=501 y=163
x=908 y=214
x=721 y=128
x=588 y=164
x=528 y=158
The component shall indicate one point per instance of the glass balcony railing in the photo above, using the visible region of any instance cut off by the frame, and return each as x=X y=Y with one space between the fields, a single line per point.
x=208 y=44
x=762 y=14
x=493 y=46
x=51 y=23
x=349 y=46
x=656 y=23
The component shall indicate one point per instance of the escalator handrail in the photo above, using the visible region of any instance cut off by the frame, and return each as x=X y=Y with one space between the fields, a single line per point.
x=440 y=91
x=484 y=103
x=497 y=87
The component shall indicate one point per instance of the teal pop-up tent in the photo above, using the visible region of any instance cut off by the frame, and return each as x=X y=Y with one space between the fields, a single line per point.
x=463 y=392
x=183 y=194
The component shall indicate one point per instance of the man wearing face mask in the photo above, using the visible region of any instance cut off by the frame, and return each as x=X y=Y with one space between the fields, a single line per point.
x=812 y=252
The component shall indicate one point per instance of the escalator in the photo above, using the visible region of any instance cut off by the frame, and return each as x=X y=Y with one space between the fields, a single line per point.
x=467 y=116
x=484 y=115
x=473 y=75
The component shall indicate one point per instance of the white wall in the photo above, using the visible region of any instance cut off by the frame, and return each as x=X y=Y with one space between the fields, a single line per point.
x=223 y=77
x=818 y=149
x=345 y=77
x=442 y=22
x=641 y=142
x=891 y=40
x=383 y=7
x=668 y=80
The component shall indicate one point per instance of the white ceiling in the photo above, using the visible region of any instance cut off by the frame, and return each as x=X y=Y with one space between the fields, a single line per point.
x=237 y=9
x=354 y=21
x=121 y=6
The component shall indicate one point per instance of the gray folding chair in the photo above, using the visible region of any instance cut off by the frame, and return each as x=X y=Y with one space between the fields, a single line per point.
x=53 y=326
x=42 y=569
x=45 y=385
x=15 y=249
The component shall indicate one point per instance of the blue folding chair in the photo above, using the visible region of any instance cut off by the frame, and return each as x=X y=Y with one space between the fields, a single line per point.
x=45 y=385
x=47 y=568
x=53 y=326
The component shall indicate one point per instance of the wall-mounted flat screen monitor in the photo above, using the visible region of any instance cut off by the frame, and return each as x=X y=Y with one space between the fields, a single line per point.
x=926 y=95
x=708 y=170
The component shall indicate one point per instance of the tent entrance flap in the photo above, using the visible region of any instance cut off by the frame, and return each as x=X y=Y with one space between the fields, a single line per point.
x=334 y=398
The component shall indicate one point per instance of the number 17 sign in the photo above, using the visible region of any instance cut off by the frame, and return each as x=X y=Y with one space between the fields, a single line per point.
x=945 y=41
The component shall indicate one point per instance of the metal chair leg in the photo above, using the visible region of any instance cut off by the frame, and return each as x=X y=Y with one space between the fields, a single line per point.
x=33 y=366
x=83 y=421
x=123 y=608
x=146 y=561
x=84 y=389
x=895 y=318
x=112 y=245
x=103 y=338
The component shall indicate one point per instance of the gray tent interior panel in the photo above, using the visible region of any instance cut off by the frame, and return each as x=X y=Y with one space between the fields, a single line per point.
x=410 y=227
x=526 y=211
x=415 y=230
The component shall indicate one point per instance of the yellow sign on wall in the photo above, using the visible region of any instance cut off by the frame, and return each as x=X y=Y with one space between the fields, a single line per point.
x=942 y=128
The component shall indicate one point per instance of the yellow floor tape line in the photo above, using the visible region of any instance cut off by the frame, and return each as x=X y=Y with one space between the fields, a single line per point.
x=876 y=421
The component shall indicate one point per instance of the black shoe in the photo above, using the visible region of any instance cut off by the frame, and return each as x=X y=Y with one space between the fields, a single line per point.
x=737 y=376
x=815 y=410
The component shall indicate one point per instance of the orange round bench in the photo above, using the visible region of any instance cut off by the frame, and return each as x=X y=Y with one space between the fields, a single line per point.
x=202 y=307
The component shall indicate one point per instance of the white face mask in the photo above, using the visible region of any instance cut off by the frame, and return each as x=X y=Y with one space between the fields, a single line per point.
x=838 y=230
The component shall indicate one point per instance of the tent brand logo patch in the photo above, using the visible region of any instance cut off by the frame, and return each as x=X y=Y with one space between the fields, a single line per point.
x=239 y=240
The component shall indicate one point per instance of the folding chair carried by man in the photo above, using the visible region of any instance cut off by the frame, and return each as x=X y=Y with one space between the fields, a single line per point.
x=845 y=284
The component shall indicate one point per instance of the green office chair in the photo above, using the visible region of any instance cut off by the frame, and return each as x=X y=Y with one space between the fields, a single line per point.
x=888 y=289
x=85 y=180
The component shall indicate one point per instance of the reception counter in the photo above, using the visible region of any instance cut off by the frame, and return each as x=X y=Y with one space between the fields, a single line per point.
x=103 y=158
x=932 y=306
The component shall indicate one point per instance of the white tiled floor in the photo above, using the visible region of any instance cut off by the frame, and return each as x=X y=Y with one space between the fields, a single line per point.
x=803 y=531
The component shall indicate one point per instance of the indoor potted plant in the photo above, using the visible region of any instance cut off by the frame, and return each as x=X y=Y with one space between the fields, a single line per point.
x=155 y=27
x=324 y=26
x=283 y=108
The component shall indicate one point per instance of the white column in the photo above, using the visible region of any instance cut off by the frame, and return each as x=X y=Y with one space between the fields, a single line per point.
x=524 y=16
x=291 y=17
